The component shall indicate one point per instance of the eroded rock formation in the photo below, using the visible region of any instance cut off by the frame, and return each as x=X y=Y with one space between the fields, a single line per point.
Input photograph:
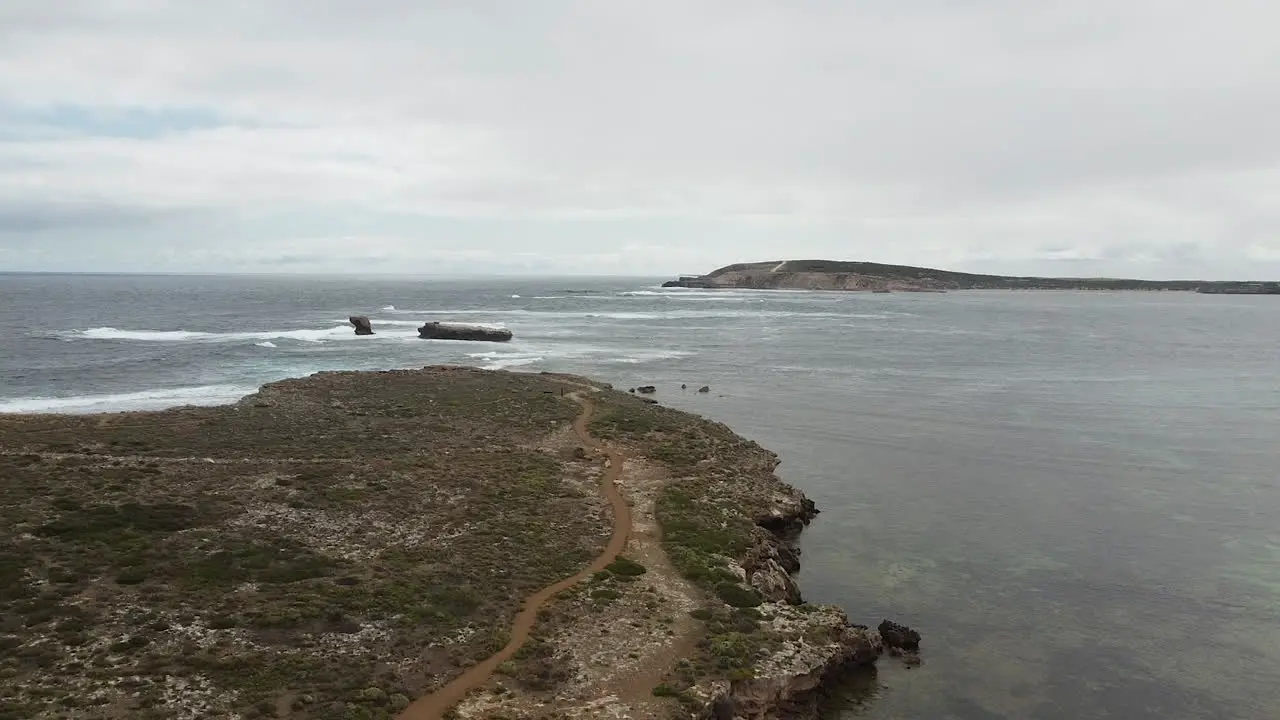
x=363 y=326
x=460 y=331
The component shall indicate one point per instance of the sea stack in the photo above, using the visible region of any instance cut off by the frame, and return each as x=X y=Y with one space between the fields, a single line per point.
x=363 y=326
x=460 y=331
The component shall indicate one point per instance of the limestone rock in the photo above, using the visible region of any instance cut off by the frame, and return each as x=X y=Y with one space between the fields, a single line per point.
x=363 y=326
x=774 y=582
x=460 y=331
x=816 y=641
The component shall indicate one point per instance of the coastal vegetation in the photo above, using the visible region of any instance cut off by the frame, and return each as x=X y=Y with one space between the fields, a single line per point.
x=343 y=546
x=329 y=548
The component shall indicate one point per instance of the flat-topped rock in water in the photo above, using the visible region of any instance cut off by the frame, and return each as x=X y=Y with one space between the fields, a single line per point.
x=462 y=331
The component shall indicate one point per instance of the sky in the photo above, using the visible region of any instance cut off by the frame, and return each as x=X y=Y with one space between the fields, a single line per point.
x=1096 y=137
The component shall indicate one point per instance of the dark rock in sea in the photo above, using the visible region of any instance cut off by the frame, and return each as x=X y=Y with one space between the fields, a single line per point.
x=683 y=386
x=899 y=637
x=704 y=389
x=363 y=326
x=632 y=391
x=647 y=389
x=459 y=331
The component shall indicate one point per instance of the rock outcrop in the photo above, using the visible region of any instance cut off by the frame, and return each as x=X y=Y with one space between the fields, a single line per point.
x=899 y=637
x=460 y=331
x=647 y=389
x=363 y=326
x=816 y=642
x=812 y=644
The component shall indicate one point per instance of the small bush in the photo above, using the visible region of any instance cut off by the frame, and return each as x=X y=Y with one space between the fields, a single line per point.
x=131 y=576
x=626 y=567
x=223 y=622
x=736 y=595
x=664 y=690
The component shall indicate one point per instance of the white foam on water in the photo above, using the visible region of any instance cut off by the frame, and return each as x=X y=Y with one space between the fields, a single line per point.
x=389 y=307
x=110 y=333
x=653 y=315
x=515 y=296
x=203 y=395
x=266 y=344
x=338 y=332
x=639 y=358
x=495 y=360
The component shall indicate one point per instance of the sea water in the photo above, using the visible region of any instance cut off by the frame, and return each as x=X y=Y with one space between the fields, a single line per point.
x=1075 y=497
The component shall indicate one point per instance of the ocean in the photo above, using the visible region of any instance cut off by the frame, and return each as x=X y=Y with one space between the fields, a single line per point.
x=1074 y=496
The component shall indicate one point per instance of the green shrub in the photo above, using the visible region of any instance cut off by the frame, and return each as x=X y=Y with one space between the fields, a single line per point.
x=736 y=595
x=626 y=567
x=131 y=576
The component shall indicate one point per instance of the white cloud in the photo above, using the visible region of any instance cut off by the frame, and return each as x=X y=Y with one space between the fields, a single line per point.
x=1126 y=132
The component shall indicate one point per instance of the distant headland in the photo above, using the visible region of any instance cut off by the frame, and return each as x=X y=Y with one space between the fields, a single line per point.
x=875 y=277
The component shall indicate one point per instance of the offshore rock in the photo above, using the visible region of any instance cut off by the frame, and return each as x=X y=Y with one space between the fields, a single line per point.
x=899 y=637
x=363 y=326
x=460 y=331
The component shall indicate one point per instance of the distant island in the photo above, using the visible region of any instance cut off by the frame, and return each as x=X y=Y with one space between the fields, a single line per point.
x=876 y=277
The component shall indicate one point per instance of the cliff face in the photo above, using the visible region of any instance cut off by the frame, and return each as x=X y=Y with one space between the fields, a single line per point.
x=865 y=276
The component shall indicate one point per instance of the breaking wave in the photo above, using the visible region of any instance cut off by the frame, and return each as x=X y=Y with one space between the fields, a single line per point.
x=338 y=332
x=203 y=395
x=504 y=360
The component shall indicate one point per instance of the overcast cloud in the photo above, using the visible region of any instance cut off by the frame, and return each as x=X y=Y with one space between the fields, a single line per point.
x=1117 y=137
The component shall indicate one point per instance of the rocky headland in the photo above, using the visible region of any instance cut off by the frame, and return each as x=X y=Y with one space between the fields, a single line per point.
x=444 y=542
x=876 y=277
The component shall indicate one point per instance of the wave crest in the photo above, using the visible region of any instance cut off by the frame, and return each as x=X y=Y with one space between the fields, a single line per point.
x=202 y=395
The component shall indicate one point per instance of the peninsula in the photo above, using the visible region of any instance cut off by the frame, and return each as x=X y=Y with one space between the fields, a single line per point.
x=417 y=544
x=867 y=276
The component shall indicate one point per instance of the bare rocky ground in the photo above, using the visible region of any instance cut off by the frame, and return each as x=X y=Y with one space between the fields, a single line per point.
x=335 y=546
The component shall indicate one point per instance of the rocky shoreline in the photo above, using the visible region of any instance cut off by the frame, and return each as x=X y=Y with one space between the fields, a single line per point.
x=799 y=647
x=817 y=642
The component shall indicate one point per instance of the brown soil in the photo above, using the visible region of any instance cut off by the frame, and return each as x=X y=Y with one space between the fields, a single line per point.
x=435 y=705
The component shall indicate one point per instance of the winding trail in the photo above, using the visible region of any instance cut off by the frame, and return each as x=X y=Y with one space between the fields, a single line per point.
x=435 y=705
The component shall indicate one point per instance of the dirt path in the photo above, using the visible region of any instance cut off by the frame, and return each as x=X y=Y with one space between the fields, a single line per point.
x=435 y=705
